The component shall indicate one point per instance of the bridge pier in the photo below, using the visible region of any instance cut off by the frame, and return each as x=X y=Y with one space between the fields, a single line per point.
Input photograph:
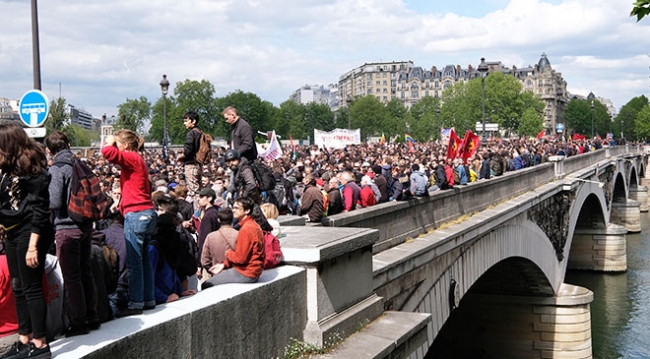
x=507 y=326
x=601 y=249
x=640 y=194
x=627 y=214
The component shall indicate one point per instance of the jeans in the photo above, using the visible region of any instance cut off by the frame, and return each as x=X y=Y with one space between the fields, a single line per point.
x=118 y=300
x=26 y=282
x=138 y=229
x=227 y=276
x=73 y=249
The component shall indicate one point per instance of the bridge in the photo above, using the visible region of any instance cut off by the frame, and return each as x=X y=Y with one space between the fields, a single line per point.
x=477 y=271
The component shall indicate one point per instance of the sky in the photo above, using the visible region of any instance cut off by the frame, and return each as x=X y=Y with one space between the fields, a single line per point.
x=98 y=53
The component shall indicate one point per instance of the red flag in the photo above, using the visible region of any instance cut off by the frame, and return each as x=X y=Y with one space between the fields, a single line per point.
x=454 y=145
x=578 y=137
x=540 y=134
x=471 y=144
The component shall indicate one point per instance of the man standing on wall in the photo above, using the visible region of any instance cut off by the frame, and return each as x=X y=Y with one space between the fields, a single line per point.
x=188 y=157
x=242 y=138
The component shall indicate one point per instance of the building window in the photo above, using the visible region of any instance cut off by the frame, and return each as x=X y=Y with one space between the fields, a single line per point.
x=529 y=83
x=369 y=83
x=385 y=98
x=369 y=92
x=436 y=84
x=385 y=82
x=435 y=94
x=378 y=98
x=414 y=94
x=378 y=83
x=539 y=83
x=426 y=93
x=403 y=96
x=385 y=90
x=378 y=90
x=446 y=85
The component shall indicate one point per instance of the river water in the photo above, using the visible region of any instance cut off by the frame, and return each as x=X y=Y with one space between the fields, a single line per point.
x=620 y=312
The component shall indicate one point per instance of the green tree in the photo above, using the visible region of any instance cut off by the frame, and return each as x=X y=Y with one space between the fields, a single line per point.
x=425 y=119
x=458 y=108
x=505 y=103
x=318 y=116
x=641 y=9
x=531 y=123
x=642 y=123
x=176 y=133
x=624 y=123
x=342 y=118
x=365 y=113
x=577 y=117
x=397 y=116
x=133 y=114
x=78 y=136
x=287 y=118
x=58 y=116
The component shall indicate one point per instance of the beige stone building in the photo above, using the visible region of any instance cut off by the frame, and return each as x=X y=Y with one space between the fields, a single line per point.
x=409 y=83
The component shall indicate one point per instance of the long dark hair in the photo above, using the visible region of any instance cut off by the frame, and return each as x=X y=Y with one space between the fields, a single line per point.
x=19 y=154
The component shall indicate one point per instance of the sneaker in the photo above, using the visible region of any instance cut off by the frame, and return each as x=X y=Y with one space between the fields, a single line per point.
x=17 y=348
x=149 y=307
x=129 y=312
x=94 y=325
x=74 y=330
x=37 y=353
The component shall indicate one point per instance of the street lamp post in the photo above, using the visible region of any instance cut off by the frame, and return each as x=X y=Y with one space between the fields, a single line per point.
x=483 y=69
x=164 y=87
x=36 y=53
x=592 y=119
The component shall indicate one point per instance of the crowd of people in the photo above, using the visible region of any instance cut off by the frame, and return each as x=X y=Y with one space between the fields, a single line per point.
x=179 y=226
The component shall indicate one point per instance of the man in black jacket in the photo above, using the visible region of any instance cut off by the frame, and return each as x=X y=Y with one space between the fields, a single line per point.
x=188 y=157
x=242 y=138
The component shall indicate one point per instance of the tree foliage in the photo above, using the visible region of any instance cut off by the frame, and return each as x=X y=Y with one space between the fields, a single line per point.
x=642 y=123
x=365 y=113
x=425 y=119
x=625 y=122
x=133 y=114
x=641 y=9
x=58 y=117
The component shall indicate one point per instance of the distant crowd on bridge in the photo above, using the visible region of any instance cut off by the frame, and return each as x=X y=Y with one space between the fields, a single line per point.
x=178 y=222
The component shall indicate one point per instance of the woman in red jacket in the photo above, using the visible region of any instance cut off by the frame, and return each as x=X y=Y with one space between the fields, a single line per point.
x=246 y=263
x=139 y=217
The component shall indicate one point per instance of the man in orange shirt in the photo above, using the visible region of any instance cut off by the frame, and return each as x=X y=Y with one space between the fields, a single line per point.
x=246 y=263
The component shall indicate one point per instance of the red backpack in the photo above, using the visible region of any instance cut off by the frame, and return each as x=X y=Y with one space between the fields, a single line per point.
x=273 y=253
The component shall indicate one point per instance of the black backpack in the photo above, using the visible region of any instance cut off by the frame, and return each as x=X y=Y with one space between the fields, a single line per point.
x=263 y=176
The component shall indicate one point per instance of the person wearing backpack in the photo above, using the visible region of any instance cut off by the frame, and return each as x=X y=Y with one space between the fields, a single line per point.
x=188 y=157
x=242 y=137
x=73 y=242
x=139 y=217
x=244 y=184
x=245 y=264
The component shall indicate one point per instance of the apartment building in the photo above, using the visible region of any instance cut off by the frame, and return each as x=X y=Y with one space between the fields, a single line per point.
x=409 y=83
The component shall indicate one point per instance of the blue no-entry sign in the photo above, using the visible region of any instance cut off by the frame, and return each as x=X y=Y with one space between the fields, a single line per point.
x=559 y=127
x=34 y=108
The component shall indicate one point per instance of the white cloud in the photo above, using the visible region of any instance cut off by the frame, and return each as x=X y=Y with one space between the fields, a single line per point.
x=103 y=52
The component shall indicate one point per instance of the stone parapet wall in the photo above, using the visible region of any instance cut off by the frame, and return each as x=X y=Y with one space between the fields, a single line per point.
x=228 y=321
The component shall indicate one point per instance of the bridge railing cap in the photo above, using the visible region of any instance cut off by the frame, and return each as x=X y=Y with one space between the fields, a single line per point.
x=556 y=158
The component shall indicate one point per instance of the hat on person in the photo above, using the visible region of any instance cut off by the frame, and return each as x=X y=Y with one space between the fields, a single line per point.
x=365 y=164
x=207 y=192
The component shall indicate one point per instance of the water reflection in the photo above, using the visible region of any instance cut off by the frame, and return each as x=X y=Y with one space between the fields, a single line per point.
x=620 y=311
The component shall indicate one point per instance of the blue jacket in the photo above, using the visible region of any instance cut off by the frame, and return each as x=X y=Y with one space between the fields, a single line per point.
x=462 y=174
x=165 y=278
